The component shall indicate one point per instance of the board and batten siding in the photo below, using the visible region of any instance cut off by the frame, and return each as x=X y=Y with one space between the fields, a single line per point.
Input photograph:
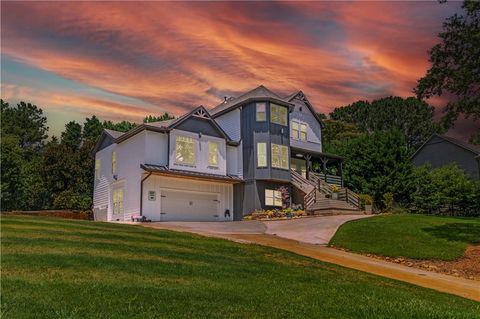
x=201 y=153
x=152 y=208
x=234 y=160
x=230 y=123
x=156 y=150
x=302 y=114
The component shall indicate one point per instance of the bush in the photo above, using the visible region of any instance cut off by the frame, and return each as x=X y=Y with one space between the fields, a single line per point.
x=70 y=200
x=445 y=190
x=388 y=201
x=365 y=199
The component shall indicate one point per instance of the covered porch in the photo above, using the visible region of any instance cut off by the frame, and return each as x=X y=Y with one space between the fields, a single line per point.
x=324 y=166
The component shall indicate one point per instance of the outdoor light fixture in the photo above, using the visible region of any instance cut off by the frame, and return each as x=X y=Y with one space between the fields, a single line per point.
x=199 y=134
x=299 y=155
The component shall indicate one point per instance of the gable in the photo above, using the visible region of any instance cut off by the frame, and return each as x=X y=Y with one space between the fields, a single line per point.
x=104 y=141
x=197 y=124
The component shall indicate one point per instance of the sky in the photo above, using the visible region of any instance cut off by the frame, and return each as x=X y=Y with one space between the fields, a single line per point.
x=125 y=60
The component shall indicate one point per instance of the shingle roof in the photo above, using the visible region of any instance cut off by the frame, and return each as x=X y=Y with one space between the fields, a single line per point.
x=465 y=145
x=260 y=92
x=113 y=133
x=175 y=172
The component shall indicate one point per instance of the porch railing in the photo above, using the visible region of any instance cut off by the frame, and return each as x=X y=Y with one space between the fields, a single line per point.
x=349 y=196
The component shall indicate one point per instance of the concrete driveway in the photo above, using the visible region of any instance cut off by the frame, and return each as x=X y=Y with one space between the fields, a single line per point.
x=313 y=230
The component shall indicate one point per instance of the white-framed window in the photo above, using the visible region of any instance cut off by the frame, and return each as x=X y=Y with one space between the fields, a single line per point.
x=303 y=132
x=261 y=154
x=299 y=131
x=114 y=162
x=185 y=150
x=278 y=114
x=118 y=201
x=273 y=198
x=97 y=168
x=279 y=156
x=213 y=153
x=261 y=111
x=295 y=130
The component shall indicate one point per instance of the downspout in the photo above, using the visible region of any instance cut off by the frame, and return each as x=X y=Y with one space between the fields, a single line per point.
x=141 y=192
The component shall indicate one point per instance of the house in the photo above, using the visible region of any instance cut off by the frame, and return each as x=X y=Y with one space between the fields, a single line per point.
x=256 y=151
x=440 y=150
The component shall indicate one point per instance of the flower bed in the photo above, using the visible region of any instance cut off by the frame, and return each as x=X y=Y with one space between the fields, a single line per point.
x=275 y=214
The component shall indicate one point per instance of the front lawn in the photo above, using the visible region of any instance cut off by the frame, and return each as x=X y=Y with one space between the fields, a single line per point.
x=408 y=235
x=54 y=268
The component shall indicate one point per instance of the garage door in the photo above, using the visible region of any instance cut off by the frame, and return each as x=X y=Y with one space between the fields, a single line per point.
x=188 y=206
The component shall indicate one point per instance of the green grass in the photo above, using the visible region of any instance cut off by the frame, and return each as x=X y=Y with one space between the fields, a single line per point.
x=408 y=235
x=53 y=268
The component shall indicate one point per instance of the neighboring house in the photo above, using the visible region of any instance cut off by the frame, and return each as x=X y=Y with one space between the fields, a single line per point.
x=252 y=152
x=440 y=150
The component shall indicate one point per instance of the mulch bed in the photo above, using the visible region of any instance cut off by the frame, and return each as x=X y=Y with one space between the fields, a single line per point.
x=468 y=266
x=67 y=214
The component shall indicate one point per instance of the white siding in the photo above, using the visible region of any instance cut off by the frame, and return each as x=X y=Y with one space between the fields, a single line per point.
x=156 y=150
x=151 y=209
x=314 y=130
x=230 y=123
x=101 y=188
x=201 y=153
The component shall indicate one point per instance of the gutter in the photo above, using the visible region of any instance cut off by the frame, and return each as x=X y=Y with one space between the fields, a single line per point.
x=141 y=192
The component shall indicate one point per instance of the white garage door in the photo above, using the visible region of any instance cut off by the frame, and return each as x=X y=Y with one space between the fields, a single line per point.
x=179 y=205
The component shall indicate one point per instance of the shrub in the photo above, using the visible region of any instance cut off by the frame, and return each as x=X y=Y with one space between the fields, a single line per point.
x=445 y=190
x=387 y=201
x=365 y=199
x=71 y=200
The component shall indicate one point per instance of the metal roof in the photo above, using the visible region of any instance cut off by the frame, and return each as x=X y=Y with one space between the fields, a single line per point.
x=165 y=170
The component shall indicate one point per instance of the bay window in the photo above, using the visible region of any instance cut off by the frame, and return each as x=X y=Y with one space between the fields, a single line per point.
x=279 y=156
x=278 y=114
x=261 y=112
x=184 y=150
x=261 y=154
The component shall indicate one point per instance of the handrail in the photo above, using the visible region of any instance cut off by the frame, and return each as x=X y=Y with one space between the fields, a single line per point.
x=310 y=199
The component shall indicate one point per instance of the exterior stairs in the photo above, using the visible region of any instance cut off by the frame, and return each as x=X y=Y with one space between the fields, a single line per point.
x=318 y=196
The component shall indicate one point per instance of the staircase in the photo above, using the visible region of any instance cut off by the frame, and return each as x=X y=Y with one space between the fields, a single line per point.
x=318 y=196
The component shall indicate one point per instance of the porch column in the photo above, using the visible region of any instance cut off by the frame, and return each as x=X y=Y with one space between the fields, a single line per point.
x=341 y=172
x=324 y=164
x=307 y=158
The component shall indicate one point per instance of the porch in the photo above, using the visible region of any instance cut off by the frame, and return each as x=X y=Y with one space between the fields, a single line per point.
x=326 y=167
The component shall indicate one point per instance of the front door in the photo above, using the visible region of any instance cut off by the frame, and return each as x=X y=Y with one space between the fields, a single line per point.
x=299 y=165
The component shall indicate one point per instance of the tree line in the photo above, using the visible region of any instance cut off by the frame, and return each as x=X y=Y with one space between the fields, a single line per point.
x=57 y=173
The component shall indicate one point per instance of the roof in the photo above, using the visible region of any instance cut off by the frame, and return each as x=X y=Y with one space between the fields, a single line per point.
x=304 y=99
x=259 y=93
x=164 y=170
x=168 y=125
x=467 y=146
x=114 y=134
x=316 y=154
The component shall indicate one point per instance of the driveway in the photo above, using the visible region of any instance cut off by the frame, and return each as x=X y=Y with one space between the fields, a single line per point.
x=314 y=230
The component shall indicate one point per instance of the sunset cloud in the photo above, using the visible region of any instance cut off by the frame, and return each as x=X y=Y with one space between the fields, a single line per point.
x=149 y=57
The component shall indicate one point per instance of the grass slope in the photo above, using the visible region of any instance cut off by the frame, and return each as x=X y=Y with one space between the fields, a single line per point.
x=408 y=235
x=55 y=268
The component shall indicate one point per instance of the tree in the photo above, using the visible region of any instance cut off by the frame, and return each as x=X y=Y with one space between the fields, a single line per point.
x=123 y=126
x=376 y=164
x=455 y=66
x=321 y=116
x=92 y=129
x=26 y=121
x=412 y=117
x=72 y=136
x=12 y=160
x=152 y=118
x=336 y=132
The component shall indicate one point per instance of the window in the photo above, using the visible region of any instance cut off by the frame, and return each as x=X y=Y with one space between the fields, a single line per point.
x=278 y=114
x=213 y=154
x=261 y=112
x=273 y=198
x=118 y=201
x=262 y=154
x=295 y=130
x=184 y=150
x=303 y=132
x=114 y=162
x=97 y=169
x=279 y=156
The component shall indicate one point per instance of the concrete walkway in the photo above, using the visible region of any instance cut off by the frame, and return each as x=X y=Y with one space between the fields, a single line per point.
x=308 y=237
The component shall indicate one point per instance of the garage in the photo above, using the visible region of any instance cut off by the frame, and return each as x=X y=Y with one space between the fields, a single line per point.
x=180 y=205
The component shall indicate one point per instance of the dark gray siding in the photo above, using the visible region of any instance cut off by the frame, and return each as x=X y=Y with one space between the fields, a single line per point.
x=439 y=152
x=238 y=201
x=197 y=125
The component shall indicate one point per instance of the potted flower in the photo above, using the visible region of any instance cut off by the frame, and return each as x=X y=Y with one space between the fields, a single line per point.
x=366 y=201
x=335 y=190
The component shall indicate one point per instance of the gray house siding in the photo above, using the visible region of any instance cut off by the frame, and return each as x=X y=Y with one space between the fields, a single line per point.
x=302 y=114
x=439 y=152
x=199 y=125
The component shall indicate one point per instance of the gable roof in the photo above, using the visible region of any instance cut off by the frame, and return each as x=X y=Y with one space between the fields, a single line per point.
x=301 y=96
x=112 y=133
x=259 y=93
x=168 y=125
x=475 y=149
